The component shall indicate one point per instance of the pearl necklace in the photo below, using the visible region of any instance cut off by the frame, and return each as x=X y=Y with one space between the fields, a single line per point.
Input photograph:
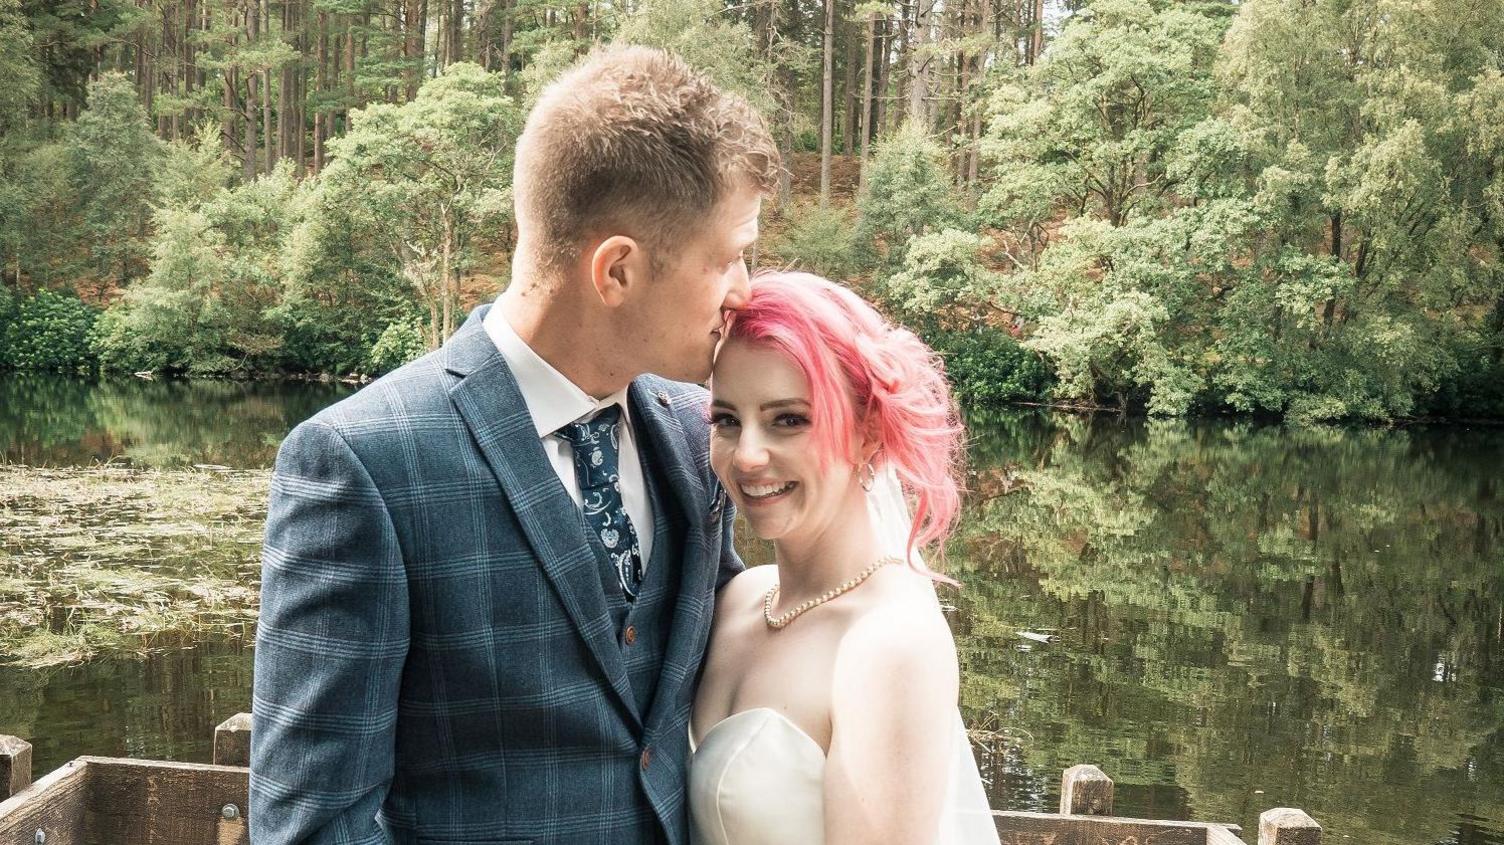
x=778 y=622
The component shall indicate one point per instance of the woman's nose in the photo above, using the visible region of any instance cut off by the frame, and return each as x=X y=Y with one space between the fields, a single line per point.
x=750 y=454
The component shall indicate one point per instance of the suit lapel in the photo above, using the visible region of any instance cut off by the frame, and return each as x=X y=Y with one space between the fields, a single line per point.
x=693 y=599
x=492 y=407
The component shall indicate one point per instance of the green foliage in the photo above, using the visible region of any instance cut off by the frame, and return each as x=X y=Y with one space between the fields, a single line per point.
x=47 y=331
x=1199 y=575
x=113 y=159
x=1091 y=129
x=817 y=240
x=40 y=234
x=701 y=33
x=551 y=59
x=1115 y=350
x=18 y=67
x=399 y=343
x=941 y=271
x=206 y=307
x=988 y=368
x=1271 y=225
x=410 y=188
x=907 y=193
x=73 y=31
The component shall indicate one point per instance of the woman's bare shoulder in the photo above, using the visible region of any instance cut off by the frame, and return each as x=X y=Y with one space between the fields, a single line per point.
x=900 y=631
x=749 y=586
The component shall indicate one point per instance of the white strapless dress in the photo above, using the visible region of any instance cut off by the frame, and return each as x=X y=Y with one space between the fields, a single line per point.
x=757 y=779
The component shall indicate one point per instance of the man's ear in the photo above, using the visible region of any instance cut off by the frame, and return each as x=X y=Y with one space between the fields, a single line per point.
x=615 y=267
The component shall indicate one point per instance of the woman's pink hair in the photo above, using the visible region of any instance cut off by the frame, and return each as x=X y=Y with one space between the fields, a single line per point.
x=865 y=375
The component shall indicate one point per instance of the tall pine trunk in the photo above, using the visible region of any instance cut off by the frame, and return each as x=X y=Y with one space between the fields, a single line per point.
x=867 y=111
x=827 y=101
x=919 y=66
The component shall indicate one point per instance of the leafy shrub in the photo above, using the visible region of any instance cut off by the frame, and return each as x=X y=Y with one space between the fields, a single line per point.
x=319 y=337
x=49 y=331
x=988 y=368
x=7 y=317
x=908 y=192
x=818 y=240
x=941 y=272
x=399 y=343
x=121 y=345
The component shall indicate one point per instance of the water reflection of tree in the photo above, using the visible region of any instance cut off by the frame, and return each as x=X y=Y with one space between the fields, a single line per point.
x=164 y=707
x=53 y=420
x=1314 y=614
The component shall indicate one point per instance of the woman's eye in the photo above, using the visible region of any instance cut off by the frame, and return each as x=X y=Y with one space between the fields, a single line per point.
x=722 y=420
x=791 y=420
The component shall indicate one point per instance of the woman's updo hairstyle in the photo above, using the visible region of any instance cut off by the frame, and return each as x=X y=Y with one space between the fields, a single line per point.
x=866 y=375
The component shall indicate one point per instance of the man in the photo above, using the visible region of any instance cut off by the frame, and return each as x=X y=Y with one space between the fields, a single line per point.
x=488 y=577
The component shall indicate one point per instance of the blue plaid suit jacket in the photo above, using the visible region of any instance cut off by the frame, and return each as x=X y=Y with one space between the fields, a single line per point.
x=435 y=660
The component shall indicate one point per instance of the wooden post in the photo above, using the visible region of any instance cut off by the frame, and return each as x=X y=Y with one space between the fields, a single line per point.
x=232 y=741
x=1285 y=826
x=1085 y=791
x=15 y=765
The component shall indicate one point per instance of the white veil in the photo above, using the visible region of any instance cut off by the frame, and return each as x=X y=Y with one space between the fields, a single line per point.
x=890 y=516
x=967 y=818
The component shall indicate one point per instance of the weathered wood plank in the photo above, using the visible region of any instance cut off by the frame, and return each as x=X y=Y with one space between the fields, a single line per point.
x=232 y=741
x=149 y=802
x=1017 y=828
x=15 y=765
x=53 y=805
x=1222 y=836
x=1085 y=791
x=1287 y=826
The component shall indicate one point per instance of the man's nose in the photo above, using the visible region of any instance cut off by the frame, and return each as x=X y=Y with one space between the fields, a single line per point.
x=740 y=289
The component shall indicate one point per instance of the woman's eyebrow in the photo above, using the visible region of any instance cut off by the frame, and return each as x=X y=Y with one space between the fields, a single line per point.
x=766 y=406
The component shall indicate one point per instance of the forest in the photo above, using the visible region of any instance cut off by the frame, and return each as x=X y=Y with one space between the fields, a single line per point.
x=1283 y=208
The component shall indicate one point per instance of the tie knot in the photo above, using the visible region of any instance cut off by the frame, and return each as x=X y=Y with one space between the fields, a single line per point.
x=591 y=430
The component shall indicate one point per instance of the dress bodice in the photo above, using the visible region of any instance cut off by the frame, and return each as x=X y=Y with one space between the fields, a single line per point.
x=757 y=779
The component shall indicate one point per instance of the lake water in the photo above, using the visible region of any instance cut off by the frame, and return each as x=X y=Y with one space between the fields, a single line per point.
x=1241 y=616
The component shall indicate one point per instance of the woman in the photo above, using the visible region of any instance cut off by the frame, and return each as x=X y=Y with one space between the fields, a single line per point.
x=827 y=710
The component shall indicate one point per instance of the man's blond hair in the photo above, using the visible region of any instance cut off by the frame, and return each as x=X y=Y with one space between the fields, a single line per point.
x=634 y=141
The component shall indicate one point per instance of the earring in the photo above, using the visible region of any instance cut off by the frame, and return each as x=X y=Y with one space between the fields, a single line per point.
x=867 y=476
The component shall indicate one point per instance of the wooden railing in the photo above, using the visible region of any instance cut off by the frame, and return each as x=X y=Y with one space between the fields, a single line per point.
x=113 y=801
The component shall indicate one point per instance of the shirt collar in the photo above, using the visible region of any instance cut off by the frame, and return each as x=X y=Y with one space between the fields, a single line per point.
x=552 y=399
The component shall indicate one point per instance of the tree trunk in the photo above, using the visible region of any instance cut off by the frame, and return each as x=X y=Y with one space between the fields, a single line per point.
x=919 y=64
x=349 y=75
x=229 y=109
x=446 y=284
x=867 y=111
x=412 y=46
x=457 y=31
x=783 y=98
x=882 y=110
x=268 y=142
x=508 y=20
x=852 y=98
x=827 y=102
x=321 y=85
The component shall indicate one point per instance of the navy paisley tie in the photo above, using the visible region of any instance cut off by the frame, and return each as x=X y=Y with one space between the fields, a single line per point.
x=597 y=446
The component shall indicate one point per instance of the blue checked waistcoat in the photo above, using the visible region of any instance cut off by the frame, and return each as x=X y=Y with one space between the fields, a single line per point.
x=442 y=655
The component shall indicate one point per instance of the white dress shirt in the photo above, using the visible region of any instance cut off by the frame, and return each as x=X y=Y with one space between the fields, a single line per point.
x=554 y=401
